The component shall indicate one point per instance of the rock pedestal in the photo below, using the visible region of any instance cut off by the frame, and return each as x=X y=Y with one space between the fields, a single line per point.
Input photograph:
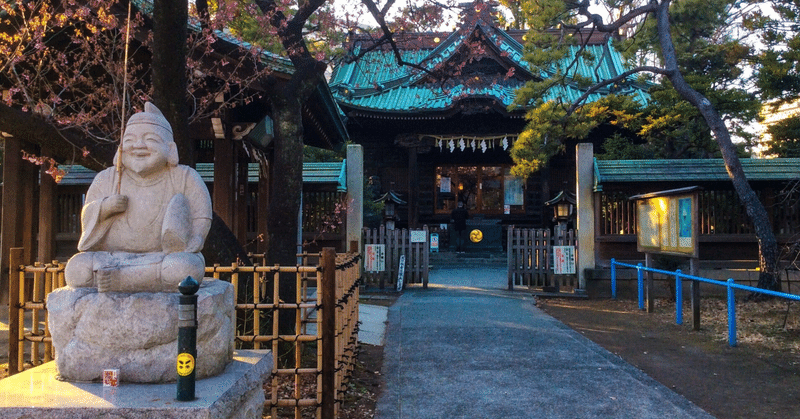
x=137 y=332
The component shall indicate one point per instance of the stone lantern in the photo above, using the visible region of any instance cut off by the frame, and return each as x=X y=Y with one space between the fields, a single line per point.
x=563 y=210
x=390 y=203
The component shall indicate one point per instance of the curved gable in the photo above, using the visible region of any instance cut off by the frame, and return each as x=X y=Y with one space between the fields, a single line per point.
x=479 y=65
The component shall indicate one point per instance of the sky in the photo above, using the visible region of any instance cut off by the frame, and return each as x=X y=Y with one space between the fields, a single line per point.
x=353 y=7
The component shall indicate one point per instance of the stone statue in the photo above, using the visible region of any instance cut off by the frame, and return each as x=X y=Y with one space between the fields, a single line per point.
x=143 y=225
x=143 y=228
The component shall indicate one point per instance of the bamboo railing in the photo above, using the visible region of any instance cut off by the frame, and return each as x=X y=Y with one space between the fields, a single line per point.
x=28 y=287
x=321 y=345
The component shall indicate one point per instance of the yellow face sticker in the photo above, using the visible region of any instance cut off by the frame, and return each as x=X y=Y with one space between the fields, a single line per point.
x=475 y=236
x=185 y=364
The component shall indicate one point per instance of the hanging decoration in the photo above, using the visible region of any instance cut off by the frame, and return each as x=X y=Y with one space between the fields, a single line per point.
x=476 y=143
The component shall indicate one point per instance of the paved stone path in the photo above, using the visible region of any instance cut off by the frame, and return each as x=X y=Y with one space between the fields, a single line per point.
x=467 y=348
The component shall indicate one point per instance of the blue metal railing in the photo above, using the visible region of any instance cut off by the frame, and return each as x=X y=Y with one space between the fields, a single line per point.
x=729 y=284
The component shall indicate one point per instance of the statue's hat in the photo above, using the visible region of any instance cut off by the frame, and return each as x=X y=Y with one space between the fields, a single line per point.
x=151 y=115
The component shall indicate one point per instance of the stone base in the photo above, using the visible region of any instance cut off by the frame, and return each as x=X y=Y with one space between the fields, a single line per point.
x=137 y=333
x=237 y=393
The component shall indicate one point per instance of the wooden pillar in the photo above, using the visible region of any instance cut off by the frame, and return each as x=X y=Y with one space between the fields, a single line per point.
x=223 y=192
x=15 y=351
x=240 y=200
x=12 y=197
x=328 y=299
x=649 y=284
x=694 y=269
x=262 y=212
x=413 y=187
x=28 y=217
x=47 y=204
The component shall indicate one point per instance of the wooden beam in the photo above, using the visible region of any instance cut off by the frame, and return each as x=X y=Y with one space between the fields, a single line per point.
x=65 y=145
x=47 y=203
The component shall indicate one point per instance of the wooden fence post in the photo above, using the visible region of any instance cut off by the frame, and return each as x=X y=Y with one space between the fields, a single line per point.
x=650 y=288
x=693 y=270
x=14 y=302
x=426 y=255
x=328 y=288
x=510 y=257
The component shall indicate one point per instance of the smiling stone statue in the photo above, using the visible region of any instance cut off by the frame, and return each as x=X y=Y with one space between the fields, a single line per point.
x=146 y=236
x=144 y=225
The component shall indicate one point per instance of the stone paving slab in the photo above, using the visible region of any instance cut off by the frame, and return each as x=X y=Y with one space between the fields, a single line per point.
x=373 y=324
x=236 y=393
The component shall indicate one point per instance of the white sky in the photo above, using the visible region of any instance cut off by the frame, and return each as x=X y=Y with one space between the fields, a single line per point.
x=356 y=8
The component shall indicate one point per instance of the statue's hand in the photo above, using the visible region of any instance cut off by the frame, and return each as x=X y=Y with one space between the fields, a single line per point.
x=104 y=281
x=113 y=205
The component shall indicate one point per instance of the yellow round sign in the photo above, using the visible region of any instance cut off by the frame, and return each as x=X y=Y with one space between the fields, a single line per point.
x=185 y=364
x=475 y=236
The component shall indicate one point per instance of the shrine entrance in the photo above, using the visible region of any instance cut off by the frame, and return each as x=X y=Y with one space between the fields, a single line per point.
x=485 y=190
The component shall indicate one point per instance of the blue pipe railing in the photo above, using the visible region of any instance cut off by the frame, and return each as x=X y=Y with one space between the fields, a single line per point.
x=730 y=284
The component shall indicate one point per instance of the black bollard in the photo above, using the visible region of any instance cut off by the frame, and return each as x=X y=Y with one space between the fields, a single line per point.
x=187 y=338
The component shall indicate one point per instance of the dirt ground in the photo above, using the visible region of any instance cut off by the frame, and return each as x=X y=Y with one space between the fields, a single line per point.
x=758 y=379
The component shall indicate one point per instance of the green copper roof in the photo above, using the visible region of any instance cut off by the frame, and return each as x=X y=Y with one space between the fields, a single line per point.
x=377 y=83
x=691 y=170
x=313 y=173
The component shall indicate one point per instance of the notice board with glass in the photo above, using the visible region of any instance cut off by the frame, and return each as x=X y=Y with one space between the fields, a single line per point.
x=667 y=222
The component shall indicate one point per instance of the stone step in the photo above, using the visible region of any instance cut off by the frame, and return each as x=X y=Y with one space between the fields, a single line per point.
x=460 y=260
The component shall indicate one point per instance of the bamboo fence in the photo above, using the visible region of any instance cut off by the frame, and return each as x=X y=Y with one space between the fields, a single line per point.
x=316 y=357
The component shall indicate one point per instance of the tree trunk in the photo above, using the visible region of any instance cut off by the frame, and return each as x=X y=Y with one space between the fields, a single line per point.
x=169 y=71
x=286 y=188
x=767 y=244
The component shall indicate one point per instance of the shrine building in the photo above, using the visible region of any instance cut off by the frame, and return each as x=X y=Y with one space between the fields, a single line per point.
x=442 y=135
